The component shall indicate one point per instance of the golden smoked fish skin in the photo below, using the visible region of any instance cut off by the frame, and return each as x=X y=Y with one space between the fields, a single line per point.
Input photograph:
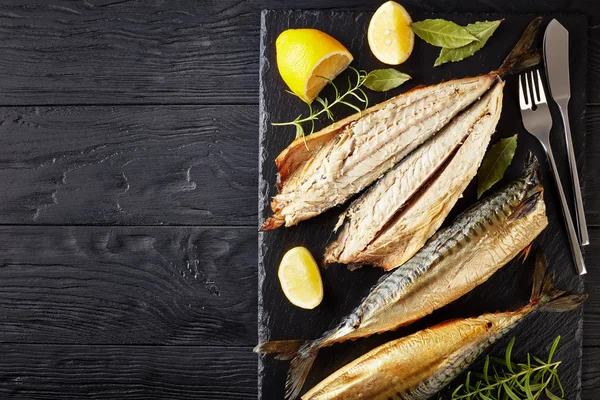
x=390 y=222
x=418 y=366
x=453 y=262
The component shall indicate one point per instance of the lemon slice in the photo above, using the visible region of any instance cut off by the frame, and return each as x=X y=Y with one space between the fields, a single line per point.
x=305 y=56
x=390 y=38
x=300 y=278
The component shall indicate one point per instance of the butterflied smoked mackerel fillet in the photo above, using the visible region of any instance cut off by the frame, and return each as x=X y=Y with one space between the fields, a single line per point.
x=346 y=157
x=392 y=220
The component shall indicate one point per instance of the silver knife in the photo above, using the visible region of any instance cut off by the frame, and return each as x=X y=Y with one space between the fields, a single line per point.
x=556 y=58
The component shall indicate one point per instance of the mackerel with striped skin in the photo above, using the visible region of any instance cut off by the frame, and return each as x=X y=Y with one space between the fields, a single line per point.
x=454 y=261
x=418 y=366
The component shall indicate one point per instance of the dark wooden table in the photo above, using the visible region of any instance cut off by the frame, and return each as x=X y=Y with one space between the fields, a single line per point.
x=128 y=200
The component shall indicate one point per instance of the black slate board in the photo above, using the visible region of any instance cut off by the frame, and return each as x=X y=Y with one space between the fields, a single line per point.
x=507 y=289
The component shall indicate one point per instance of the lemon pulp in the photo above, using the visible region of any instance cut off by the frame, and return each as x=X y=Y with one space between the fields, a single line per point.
x=389 y=35
x=300 y=278
x=305 y=57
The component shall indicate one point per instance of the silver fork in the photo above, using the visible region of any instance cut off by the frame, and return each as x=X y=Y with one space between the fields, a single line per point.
x=539 y=123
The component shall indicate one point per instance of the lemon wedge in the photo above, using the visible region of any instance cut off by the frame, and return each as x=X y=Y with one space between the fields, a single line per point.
x=300 y=278
x=390 y=38
x=305 y=56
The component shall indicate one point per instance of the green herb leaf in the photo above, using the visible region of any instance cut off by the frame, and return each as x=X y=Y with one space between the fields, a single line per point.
x=527 y=388
x=442 y=33
x=507 y=379
x=508 y=354
x=551 y=395
x=486 y=366
x=553 y=349
x=382 y=80
x=299 y=131
x=510 y=393
x=354 y=90
x=481 y=30
x=495 y=163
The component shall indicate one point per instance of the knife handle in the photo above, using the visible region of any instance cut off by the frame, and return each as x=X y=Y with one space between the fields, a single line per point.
x=579 y=210
x=576 y=250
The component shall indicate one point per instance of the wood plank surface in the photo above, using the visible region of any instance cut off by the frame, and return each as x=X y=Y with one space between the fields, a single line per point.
x=186 y=165
x=591 y=373
x=186 y=51
x=592 y=155
x=30 y=371
x=124 y=285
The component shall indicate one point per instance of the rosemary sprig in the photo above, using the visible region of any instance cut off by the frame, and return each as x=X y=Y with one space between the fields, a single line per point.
x=504 y=379
x=354 y=90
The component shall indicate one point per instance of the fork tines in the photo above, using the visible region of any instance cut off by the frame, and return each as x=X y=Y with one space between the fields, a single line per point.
x=539 y=97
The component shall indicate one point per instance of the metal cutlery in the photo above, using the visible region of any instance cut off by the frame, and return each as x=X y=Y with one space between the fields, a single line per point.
x=538 y=122
x=556 y=59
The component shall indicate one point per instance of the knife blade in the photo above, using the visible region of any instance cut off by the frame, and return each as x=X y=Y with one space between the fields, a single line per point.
x=556 y=59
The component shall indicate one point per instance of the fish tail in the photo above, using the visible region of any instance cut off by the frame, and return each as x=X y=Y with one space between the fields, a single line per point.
x=302 y=354
x=544 y=294
x=520 y=53
x=272 y=223
x=299 y=368
x=284 y=349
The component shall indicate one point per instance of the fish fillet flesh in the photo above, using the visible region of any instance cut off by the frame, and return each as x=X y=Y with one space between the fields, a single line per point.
x=390 y=222
x=364 y=149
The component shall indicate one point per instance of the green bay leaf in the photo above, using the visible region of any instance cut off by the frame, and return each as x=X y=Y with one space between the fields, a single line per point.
x=495 y=163
x=481 y=30
x=443 y=33
x=381 y=80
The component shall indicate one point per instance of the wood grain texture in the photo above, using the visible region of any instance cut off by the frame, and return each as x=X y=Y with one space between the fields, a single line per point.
x=126 y=372
x=593 y=74
x=117 y=285
x=592 y=176
x=185 y=51
x=591 y=373
x=100 y=51
x=185 y=165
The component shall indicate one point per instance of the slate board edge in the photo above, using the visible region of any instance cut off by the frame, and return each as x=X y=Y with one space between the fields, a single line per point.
x=262 y=196
x=263 y=315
